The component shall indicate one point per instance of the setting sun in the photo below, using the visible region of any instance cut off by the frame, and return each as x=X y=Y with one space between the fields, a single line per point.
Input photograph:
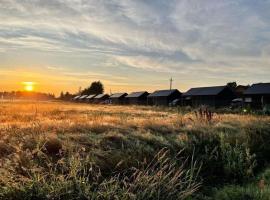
x=28 y=86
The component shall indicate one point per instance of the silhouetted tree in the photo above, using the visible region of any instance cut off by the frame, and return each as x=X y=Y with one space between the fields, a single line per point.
x=62 y=96
x=95 y=88
x=232 y=85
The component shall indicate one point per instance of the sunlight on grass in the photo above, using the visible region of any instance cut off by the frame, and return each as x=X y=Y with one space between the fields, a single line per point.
x=57 y=150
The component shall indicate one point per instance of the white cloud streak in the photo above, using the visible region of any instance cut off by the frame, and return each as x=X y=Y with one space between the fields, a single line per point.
x=221 y=38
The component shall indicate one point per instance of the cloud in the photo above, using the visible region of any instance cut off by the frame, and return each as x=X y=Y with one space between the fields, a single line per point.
x=216 y=39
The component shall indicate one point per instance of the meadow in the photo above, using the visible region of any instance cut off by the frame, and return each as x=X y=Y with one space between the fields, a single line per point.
x=60 y=150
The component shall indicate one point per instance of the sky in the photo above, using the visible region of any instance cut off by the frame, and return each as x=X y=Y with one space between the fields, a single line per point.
x=133 y=45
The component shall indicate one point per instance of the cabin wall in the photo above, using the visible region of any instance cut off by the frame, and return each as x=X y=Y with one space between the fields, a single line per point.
x=159 y=101
x=203 y=100
x=163 y=100
x=258 y=101
x=100 y=100
x=174 y=96
x=120 y=101
x=90 y=100
x=225 y=98
x=137 y=101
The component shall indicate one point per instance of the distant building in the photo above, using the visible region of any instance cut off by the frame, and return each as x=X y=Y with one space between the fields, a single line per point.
x=137 y=98
x=82 y=98
x=258 y=95
x=101 y=98
x=90 y=98
x=118 y=98
x=76 y=98
x=217 y=96
x=240 y=89
x=163 y=97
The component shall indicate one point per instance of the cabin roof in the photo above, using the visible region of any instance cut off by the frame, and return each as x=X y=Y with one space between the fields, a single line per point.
x=83 y=96
x=91 y=96
x=76 y=97
x=163 y=93
x=137 y=94
x=259 y=88
x=118 y=95
x=101 y=96
x=204 y=91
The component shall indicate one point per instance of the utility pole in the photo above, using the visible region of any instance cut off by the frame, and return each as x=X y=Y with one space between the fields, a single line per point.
x=171 y=81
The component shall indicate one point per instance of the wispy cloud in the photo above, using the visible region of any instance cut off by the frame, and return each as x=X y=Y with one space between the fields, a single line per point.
x=112 y=40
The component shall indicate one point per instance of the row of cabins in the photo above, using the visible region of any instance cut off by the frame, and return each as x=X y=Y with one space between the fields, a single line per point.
x=256 y=96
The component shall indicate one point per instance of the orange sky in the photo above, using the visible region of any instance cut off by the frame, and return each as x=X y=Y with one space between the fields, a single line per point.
x=133 y=45
x=46 y=81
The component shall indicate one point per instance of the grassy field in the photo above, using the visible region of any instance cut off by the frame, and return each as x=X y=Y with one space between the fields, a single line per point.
x=57 y=150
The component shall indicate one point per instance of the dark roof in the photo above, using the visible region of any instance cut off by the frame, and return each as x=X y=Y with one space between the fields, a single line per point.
x=205 y=91
x=163 y=93
x=100 y=96
x=118 y=95
x=91 y=96
x=137 y=94
x=259 y=88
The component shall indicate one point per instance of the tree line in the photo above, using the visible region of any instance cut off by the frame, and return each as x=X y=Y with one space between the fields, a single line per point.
x=26 y=95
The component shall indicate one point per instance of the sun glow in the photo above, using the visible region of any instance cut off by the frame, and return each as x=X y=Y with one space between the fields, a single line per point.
x=28 y=86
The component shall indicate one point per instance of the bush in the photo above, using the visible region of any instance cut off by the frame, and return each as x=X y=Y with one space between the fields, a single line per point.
x=222 y=157
x=206 y=148
x=258 y=140
x=251 y=192
x=238 y=162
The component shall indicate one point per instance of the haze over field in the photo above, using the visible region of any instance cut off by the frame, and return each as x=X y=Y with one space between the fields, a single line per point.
x=131 y=45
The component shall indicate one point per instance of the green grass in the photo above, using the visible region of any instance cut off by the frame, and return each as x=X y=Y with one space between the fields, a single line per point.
x=258 y=189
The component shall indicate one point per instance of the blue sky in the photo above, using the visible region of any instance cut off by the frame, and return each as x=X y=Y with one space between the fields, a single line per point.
x=133 y=44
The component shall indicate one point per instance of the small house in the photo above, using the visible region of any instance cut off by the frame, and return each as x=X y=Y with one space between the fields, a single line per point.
x=82 y=98
x=90 y=98
x=163 y=97
x=240 y=89
x=101 y=98
x=76 y=98
x=118 y=98
x=216 y=96
x=137 y=98
x=258 y=95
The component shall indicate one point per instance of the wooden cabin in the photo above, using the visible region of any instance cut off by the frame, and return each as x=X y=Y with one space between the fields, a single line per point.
x=240 y=89
x=118 y=98
x=137 y=98
x=163 y=97
x=82 y=98
x=217 y=96
x=101 y=98
x=258 y=95
x=90 y=98
x=76 y=98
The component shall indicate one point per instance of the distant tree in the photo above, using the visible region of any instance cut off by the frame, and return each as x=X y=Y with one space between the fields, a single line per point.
x=67 y=94
x=95 y=88
x=232 y=85
x=62 y=96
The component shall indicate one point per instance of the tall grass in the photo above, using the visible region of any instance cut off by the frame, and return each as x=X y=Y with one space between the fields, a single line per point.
x=162 y=178
x=69 y=151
